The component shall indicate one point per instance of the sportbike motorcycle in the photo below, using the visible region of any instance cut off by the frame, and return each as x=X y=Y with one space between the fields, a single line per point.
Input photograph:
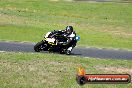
x=51 y=44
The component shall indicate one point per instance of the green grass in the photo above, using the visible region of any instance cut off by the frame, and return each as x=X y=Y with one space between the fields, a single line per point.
x=99 y=24
x=37 y=70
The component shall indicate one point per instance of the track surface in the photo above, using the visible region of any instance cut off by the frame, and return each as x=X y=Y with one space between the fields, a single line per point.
x=85 y=52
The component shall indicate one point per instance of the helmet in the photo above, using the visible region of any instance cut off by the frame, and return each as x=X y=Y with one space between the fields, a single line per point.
x=69 y=29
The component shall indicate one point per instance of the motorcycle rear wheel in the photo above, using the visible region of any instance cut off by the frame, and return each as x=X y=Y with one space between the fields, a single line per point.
x=62 y=51
x=68 y=52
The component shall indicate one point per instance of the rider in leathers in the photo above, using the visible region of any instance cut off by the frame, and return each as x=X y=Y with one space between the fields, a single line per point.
x=69 y=33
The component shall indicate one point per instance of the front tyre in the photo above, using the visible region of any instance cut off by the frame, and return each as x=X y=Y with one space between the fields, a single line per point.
x=38 y=46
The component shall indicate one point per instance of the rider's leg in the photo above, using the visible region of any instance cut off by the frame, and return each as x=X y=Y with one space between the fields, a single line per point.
x=71 y=45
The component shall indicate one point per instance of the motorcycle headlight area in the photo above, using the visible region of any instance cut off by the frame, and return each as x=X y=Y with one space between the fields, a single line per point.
x=51 y=40
x=77 y=38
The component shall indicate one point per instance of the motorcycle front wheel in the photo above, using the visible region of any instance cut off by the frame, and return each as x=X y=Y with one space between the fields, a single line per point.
x=40 y=46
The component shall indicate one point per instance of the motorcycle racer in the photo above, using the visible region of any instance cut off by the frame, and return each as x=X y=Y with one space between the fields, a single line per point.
x=69 y=33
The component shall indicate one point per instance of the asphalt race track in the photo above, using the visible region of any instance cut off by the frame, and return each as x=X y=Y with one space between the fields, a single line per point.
x=84 y=52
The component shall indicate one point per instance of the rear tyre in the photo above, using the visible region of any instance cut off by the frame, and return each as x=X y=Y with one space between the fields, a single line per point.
x=68 y=52
x=38 y=46
x=62 y=51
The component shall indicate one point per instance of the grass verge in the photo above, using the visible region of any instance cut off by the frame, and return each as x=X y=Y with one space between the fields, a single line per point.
x=35 y=70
